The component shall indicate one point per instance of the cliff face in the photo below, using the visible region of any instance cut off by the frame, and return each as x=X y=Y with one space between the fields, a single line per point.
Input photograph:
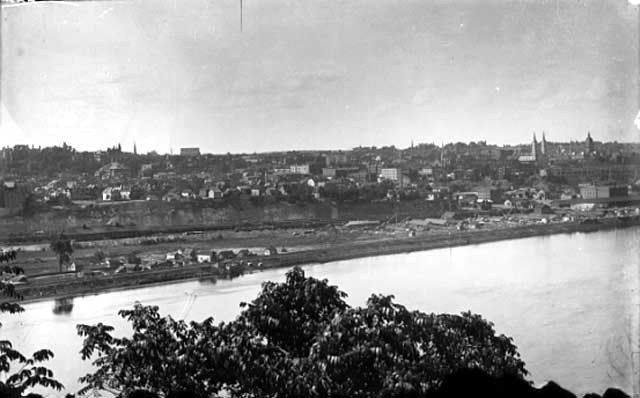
x=385 y=210
x=142 y=215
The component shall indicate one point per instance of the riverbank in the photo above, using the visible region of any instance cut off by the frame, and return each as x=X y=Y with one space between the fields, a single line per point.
x=459 y=238
x=71 y=284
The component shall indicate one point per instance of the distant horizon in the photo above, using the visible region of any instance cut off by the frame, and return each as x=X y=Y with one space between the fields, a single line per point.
x=205 y=152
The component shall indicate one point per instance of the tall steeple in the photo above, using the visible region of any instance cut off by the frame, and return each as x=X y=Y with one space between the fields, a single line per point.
x=543 y=145
x=135 y=149
x=534 y=147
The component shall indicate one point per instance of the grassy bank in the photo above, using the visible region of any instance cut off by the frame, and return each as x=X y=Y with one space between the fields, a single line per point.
x=70 y=285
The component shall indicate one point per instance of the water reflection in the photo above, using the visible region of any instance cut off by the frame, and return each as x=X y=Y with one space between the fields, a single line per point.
x=63 y=306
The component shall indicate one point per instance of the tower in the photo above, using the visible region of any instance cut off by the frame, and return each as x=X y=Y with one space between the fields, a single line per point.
x=543 y=145
x=534 y=147
x=135 y=149
x=589 y=143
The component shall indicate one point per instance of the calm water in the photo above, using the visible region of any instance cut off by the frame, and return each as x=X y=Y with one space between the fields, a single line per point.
x=569 y=301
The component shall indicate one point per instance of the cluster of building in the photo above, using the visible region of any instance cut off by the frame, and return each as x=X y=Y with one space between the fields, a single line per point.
x=459 y=173
x=183 y=257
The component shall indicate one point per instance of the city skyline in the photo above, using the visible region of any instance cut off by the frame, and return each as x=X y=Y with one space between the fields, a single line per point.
x=537 y=137
x=317 y=75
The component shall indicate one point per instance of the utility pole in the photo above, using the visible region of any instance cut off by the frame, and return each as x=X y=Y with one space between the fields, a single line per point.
x=240 y=15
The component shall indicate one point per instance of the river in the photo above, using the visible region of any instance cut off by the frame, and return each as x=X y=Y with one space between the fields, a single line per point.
x=569 y=301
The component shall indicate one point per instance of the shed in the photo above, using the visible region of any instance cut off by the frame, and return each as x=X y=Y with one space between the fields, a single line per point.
x=543 y=209
x=203 y=258
x=270 y=251
x=226 y=255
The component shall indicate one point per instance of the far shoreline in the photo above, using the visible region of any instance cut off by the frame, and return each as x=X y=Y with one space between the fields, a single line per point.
x=143 y=279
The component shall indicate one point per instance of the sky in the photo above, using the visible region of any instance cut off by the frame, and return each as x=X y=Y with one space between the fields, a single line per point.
x=316 y=74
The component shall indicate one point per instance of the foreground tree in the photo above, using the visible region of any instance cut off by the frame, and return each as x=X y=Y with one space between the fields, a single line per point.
x=291 y=314
x=298 y=339
x=18 y=371
x=163 y=356
x=270 y=341
x=385 y=350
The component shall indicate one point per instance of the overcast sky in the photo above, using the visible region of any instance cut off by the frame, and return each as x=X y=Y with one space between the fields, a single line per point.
x=308 y=74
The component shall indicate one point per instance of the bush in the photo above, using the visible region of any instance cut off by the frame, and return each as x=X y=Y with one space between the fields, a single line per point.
x=99 y=256
x=134 y=259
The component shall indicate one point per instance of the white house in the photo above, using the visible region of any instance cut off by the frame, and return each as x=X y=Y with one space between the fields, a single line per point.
x=216 y=193
x=300 y=169
x=393 y=174
x=426 y=171
x=125 y=194
x=116 y=193
x=211 y=193
x=107 y=194
x=583 y=206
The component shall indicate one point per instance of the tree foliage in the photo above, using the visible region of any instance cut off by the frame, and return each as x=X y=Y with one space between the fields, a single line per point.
x=163 y=355
x=385 y=350
x=19 y=371
x=292 y=313
x=297 y=339
x=63 y=248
